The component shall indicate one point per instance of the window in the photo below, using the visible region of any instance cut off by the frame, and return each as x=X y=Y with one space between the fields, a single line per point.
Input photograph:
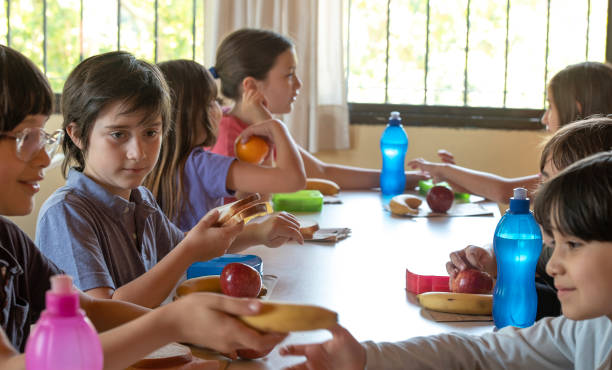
x=465 y=62
x=58 y=34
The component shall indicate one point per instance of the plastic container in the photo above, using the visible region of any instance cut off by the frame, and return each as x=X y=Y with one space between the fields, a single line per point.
x=517 y=244
x=216 y=265
x=418 y=284
x=425 y=185
x=393 y=147
x=63 y=338
x=300 y=201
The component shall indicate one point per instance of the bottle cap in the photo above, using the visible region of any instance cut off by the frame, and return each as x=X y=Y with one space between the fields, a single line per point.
x=519 y=203
x=61 y=284
x=395 y=118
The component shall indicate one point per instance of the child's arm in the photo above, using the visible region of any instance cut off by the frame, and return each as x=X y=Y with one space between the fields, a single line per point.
x=9 y=356
x=250 y=178
x=490 y=186
x=272 y=231
x=203 y=242
x=348 y=177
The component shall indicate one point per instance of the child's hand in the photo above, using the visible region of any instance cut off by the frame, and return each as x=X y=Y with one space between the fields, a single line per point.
x=434 y=170
x=413 y=178
x=207 y=242
x=254 y=106
x=208 y=320
x=446 y=156
x=277 y=229
x=342 y=352
x=471 y=257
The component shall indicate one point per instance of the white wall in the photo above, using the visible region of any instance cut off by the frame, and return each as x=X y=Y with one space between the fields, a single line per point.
x=505 y=152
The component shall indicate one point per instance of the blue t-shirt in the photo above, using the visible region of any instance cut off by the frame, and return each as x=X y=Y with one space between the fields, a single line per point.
x=101 y=239
x=204 y=185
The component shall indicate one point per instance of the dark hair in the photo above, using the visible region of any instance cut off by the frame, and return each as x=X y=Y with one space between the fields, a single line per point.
x=578 y=201
x=577 y=140
x=104 y=79
x=245 y=53
x=589 y=84
x=192 y=90
x=24 y=89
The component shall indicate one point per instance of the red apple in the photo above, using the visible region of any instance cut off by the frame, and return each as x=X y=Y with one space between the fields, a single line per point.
x=240 y=280
x=472 y=281
x=440 y=198
x=251 y=354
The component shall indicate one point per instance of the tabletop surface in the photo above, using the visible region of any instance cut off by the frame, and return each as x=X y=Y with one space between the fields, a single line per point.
x=362 y=277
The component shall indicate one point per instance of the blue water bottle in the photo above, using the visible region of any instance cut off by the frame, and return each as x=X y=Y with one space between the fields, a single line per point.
x=517 y=244
x=393 y=146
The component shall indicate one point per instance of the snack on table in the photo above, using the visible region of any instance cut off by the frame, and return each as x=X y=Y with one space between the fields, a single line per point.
x=235 y=212
x=462 y=303
x=405 y=204
x=326 y=187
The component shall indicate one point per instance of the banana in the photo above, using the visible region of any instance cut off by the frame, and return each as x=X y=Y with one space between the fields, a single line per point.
x=209 y=283
x=326 y=187
x=288 y=317
x=405 y=204
x=464 y=303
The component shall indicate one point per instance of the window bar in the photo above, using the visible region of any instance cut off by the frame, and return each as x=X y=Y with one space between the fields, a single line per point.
x=155 y=35
x=81 y=52
x=348 y=49
x=586 y=52
x=506 y=52
x=8 y=23
x=546 y=55
x=426 y=56
x=193 y=29
x=467 y=48
x=387 y=54
x=44 y=15
x=118 y=24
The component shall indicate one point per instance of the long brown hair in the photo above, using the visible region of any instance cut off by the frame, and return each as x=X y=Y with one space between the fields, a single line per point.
x=192 y=91
x=589 y=84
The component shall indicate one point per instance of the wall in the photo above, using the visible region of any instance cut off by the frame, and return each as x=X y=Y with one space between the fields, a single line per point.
x=505 y=152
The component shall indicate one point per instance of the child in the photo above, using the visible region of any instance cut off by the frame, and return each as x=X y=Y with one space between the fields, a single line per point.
x=25 y=150
x=251 y=59
x=102 y=227
x=575 y=208
x=579 y=90
x=188 y=181
x=568 y=145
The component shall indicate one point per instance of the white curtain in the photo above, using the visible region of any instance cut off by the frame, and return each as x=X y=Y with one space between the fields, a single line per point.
x=319 y=119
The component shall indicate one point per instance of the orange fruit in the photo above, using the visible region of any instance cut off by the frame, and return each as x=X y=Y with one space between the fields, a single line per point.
x=253 y=151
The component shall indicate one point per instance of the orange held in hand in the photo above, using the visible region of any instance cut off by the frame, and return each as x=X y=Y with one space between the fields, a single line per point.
x=254 y=150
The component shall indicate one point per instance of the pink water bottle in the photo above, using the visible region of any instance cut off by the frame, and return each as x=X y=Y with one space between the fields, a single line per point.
x=63 y=338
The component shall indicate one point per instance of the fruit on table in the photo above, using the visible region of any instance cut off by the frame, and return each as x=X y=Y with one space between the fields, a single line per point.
x=326 y=187
x=210 y=283
x=254 y=150
x=288 y=317
x=404 y=204
x=440 y=198
x=240 y=280
x=463 y=303
x=472 y=281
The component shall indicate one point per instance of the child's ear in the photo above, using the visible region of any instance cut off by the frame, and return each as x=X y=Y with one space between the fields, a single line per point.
x=579 y=107
x=73 y=131
x=249 y=83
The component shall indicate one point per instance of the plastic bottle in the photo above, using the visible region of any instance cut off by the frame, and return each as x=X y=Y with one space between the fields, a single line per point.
x=63 y=338
x=393 y=146
x=517 y=244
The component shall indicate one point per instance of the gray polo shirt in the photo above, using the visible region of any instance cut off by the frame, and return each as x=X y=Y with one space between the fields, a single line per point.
x=101 y=239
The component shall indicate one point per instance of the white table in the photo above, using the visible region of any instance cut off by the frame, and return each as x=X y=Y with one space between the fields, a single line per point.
x=363 y=277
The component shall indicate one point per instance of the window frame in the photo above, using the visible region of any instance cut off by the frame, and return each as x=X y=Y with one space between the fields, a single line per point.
x=458 y=116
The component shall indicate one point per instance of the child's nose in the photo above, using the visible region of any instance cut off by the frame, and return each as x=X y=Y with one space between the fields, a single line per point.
x=135 y=149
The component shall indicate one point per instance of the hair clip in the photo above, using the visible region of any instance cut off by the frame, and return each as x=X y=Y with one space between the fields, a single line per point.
x=213 y=72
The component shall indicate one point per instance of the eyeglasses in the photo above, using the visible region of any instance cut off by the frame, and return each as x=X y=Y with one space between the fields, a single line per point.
x=31 y=140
